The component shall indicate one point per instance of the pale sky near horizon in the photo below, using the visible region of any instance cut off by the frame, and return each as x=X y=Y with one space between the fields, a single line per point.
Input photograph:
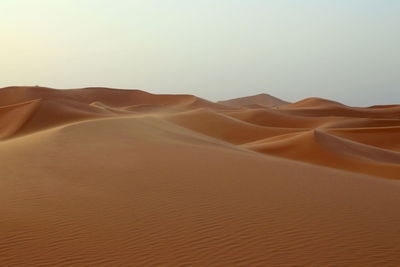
x=345 y=50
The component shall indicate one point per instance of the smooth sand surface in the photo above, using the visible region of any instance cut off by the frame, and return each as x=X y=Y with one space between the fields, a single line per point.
x=104 y=177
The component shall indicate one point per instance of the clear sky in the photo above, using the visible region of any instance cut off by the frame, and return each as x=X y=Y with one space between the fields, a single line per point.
x=346 y=50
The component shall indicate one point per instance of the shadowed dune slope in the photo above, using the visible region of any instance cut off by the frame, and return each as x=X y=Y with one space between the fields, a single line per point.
x=106 y=177
x=13 y=117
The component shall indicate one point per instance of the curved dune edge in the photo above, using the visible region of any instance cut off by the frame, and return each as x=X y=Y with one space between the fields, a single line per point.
x=321 y=148
x=103 y=177
x=13 y=117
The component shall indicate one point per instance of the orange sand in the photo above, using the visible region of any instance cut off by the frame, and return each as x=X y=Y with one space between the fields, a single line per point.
x=103 y=177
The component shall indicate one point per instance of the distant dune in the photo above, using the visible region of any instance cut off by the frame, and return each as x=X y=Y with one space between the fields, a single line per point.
x=108 y=177
x=314 y=102
x=261 y=100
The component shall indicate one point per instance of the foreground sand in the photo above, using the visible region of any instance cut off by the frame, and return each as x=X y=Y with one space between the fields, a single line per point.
x=96 y=177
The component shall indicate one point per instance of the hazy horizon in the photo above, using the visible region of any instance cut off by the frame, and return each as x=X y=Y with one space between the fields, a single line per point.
x=345 y=51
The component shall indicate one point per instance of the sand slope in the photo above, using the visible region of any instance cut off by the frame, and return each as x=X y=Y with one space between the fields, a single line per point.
x=322 y=148
x=101 y=177
x=13 y=117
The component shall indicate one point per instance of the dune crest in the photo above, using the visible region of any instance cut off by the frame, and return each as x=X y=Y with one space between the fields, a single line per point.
x=107 y=177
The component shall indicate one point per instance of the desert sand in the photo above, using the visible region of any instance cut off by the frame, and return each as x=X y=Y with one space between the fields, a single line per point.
x=107 y=177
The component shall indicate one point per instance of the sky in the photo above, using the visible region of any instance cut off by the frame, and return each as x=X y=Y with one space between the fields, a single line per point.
x=345 y=50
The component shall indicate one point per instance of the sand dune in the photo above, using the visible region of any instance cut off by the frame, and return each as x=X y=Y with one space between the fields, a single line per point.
x=104 y=177
x=13 y=117
x=321 y=148
x=314 y=102
x=107 y=96
x=277 y=118
x=363 y=123
x=339 y=110
x=224 y=127
x=261 y=100
x=384 y=137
